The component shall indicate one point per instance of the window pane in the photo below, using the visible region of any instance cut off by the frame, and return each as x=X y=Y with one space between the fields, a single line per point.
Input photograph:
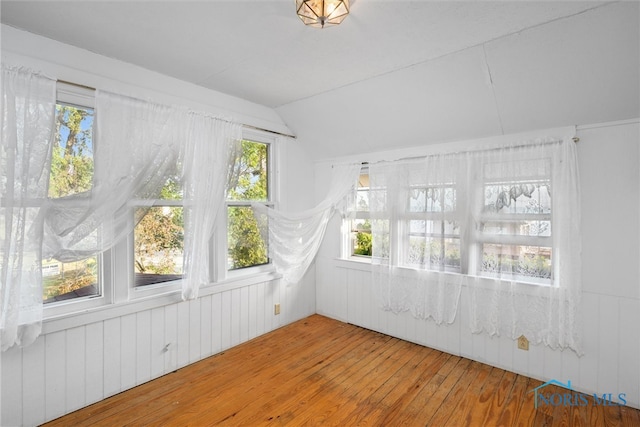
x=67 y=280
x=362 y=194
x=361 y=242
x=432 y=199
x=517 y=228
x=246 y=238
x=72 y=159
x=381 y=238
x=172 y=189
x=434 y=253
x=433 y=245
x=159 y=245
x=249 y=180
x=526 y=197
x=517 y=262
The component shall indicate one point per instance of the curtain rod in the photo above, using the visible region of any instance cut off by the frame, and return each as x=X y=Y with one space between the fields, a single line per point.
x=243 y=124
x=575 y=139
x=270 y=131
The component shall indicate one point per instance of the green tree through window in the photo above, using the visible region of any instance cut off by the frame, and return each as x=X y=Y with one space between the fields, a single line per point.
x=246 y=238
x=71 y=173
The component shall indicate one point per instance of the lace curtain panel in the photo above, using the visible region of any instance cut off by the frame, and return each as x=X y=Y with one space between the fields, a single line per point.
x=528 y=231
x=137 y=148
x=503 y=222
x=28 y=109
x=208 y=160
x=413 y=223
x=295 y=237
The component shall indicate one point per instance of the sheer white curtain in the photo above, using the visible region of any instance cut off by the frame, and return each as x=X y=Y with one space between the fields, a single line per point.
x=530 y=283
x=294 y=237
x=210 y=153
x=137 y=147
x=505 y=222
x=415 y=221
x=28 y=111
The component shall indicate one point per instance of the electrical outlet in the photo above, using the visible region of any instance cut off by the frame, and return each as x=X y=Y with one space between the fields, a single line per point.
x=276 y=309
x=523 y=343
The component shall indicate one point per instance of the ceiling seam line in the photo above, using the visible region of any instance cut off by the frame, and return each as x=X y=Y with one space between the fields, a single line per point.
x=493 y=89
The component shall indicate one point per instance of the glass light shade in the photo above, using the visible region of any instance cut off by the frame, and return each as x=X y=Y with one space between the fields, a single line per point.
x=321 y=13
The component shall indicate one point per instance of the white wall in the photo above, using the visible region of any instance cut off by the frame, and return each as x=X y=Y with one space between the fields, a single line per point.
x=609 y=156
x=87 y=357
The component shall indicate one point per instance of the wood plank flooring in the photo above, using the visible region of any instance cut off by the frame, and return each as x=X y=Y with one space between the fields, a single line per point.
x=319 y=371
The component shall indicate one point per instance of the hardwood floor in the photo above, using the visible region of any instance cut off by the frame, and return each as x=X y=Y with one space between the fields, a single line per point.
x=319 y=371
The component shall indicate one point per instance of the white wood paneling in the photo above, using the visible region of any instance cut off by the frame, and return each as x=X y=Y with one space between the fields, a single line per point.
x=253 y=311
x=236 y=312
x=589 y=362
x=195 y=324
x=55 y=376
x=628 y=365
x=171 y=338
x=205 y=327
x=225 y=321
x=111 y=357
x=183 y=334
x=33 y=383
x=12 y=387
x=94 y=364
x=128 y=360
x=143 y=347
x=75 y=360
x=158 y=342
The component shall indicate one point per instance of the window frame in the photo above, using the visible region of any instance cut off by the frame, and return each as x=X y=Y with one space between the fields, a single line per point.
x=220 y=272
x=158 y=288
x=348 y=224
x=477 y=238
x=442 y=215
x=83 y=97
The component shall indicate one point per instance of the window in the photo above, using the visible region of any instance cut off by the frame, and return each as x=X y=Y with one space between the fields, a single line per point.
x=432 y=228
x=71 y=173
x=513 y=236
x=249 y=182
x=475 y=216
x=360 y=241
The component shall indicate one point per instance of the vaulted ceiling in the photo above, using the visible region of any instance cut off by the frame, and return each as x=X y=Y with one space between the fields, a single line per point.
x=393 y=74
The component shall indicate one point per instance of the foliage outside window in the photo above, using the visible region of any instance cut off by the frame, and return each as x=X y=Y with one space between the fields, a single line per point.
x=159 y=237
x=361 y=242
x=71 y=173
x=246 y=237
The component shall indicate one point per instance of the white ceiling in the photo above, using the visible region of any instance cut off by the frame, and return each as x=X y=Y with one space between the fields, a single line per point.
x=443 y=69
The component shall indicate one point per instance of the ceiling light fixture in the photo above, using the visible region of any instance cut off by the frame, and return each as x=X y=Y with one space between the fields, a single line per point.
x=318 y=13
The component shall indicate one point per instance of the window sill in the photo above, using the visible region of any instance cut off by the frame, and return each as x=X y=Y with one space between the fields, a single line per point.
x=481 y=282
x=354 y=263
x=105 y=312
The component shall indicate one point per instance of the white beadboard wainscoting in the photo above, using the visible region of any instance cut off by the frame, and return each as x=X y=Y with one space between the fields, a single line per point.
x=73 y=367
x=611 y=340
